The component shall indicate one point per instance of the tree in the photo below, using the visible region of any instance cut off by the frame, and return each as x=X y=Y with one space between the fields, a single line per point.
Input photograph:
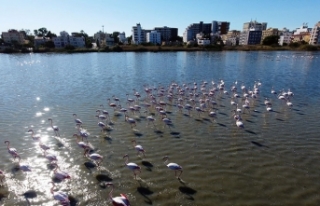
x=271 y=40
x=41 y=32
x=115 y=36
x=129 y=39
x=50 y=35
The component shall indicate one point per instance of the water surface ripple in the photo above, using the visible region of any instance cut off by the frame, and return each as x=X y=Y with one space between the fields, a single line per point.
x=273 y=160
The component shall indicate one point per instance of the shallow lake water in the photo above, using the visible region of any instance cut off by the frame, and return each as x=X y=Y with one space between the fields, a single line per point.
x=272 y=160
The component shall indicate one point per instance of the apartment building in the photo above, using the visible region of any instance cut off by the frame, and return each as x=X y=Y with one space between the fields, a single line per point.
x=269 y=32
x=285 y=36
x=154 y=37
x=13 y=35
x=254 y=24
x=138 y=34
x=250 y=37
x=65 y=39
x=315 y=34
x=103 y=39
x=167 y=33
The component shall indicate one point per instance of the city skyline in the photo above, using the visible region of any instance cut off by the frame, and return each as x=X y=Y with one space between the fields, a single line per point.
x=110 y=16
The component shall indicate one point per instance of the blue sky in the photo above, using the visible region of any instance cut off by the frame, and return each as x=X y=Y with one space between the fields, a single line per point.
x=121 y=15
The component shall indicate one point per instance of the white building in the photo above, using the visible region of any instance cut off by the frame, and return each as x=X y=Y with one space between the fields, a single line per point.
x=303 y=29
x=13 y=35
x=285 y=37
x=203 y=42
x=154 y=37
x=138 y=34
x=38 y=41
x=65 y=39
x=122 y=38
x=315 y=35
x=187 y=35
x=103 y=39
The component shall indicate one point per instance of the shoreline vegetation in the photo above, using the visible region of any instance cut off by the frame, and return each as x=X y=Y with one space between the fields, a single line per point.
x=141 y=48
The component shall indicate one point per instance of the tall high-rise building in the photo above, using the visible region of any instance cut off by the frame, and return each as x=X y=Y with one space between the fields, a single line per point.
x=220 y=27
x=315 y=34
x=138 y=34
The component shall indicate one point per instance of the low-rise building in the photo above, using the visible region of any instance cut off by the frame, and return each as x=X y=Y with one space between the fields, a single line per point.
x=103 y=39
x=285 y=36
x=13 y=36
x=39 y=41
x=269 y=32
x=65 y=39
x=203 y=42
x=122 y=38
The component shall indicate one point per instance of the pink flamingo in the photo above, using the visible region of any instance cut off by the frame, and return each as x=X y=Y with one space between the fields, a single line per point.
x=121 y=200
x=55 y=128
x=81 y=144
x=36 y=137
x=77 y=121
x=61 y=175
x=173 y=166
x=62 y=197
x=94 y=156
x=138 y=147
x=12 y=151
x=132 y=166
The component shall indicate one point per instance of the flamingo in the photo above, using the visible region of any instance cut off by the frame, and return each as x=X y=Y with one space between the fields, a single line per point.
x=289 y=103
x=94 y=156
x=62 y=197
x=213 y=114
x=104 y=111
x=81 y=144
x=83 y=132
x=52 y=158
x=138 y=147
x=239 y=123
x=43 y=147
x=77 y=121
x=132 y=166
x=112 y=104
x=12 y=151
x=122 y=200
x=61 y=175
x=55 y=128
x=34 y=137
x=150 y=118
x=101 y=116
x=129 y=100
x=268 y=108
x=173 y=166
x=130 y=120
x=25 y=167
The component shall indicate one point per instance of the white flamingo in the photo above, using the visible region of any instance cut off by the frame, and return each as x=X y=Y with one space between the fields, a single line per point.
x=173 y=166
x=12 y=151
x=121 y=200
x=54 y=127
x=132 y=166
